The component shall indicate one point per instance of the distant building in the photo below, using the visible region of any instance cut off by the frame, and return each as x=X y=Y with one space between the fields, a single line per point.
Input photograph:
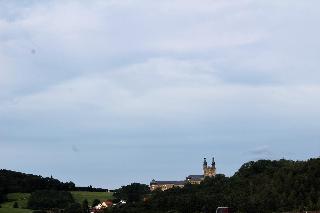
x=99 y=208
x=164 y=185
x=194 y=179
x=208 y=171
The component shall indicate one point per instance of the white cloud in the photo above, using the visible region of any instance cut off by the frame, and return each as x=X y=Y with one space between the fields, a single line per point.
x=167 y=90
x=241 y=72
x=77 y=37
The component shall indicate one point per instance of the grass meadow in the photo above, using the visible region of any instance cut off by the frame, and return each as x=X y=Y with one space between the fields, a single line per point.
x=12 y=210
x=79 y=196
x=22 y=200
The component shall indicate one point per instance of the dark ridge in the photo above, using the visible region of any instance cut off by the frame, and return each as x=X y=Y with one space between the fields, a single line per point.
x=11 y=181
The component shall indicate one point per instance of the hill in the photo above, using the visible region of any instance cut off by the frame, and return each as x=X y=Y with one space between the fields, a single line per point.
x=262 y=186
x=11 y=182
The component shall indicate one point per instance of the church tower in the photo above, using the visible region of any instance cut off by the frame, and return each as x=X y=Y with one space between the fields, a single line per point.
x=209 y=171
x=205 y=164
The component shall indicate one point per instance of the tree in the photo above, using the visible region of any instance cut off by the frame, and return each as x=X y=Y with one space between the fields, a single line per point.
x=15 y=205
x=48 y=199
x=3 y=196
x=261 y=186
x=95 y=202
x=134 y=192
x=73 y=208
x=318 y=203
x=85 y=206
x=11 y=181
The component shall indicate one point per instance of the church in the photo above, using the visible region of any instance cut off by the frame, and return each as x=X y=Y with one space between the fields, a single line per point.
x=208 y=171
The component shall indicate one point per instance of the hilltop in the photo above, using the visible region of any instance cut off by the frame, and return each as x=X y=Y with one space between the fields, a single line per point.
x=12 y=181
x=260 y=186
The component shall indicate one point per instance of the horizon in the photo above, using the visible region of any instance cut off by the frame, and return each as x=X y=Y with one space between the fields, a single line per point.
x=107 y=93
x=177 y=179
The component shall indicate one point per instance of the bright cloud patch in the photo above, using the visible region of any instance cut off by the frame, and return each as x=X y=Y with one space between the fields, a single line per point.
x=136 y=82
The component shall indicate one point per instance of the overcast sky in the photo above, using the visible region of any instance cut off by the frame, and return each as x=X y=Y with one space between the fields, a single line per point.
x=110 y=92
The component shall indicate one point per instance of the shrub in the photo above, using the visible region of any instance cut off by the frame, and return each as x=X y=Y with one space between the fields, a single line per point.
x=95 y=202
x=73 y=208
x=15 y=205
x=49 y=199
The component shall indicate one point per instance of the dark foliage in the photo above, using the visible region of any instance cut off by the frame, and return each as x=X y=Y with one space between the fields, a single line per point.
x=95 y=202
x=262 y=186
x=85 y=206
x=134 y=192
x=49 y=199
x=277 y=185
x=3 y=196
x=73 y=208
x=15 y=205
x=11 y=181
x=90 y=189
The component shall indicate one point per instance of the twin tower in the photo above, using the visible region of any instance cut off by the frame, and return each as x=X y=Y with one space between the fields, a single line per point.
x=209 y=171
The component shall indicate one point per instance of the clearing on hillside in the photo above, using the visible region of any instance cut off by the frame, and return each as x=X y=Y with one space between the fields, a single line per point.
x=20 y=198
x=12 y=210
x=79 y=196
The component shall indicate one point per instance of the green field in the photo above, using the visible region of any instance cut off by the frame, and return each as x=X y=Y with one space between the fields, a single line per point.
x=90 y=196
x=12 y=210
x=22 y=200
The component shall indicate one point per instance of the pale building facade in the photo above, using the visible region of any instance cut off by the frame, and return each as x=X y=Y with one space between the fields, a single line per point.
x=164 y=185
x=208 y=171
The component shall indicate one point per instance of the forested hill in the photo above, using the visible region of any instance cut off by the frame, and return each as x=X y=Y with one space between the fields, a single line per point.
x=11 y=181
x=261 y=186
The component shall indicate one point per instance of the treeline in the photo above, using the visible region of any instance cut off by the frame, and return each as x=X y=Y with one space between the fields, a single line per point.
x=11 y=181
x=89 y=189
x=45 y=201
x=261 y=186
x=50 y=199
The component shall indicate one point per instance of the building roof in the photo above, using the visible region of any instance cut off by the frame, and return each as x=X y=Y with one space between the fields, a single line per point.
x=155 y=182
x=195 y=177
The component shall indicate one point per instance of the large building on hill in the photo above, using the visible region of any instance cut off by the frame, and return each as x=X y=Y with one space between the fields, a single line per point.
x=164 y=185
x=208 y=171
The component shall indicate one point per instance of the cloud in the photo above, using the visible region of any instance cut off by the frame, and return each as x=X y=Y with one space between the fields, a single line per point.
x=261 y=151
x=245 y=44
x=216 y=76
x=165 y=92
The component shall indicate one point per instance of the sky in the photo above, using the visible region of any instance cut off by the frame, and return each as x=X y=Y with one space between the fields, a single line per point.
x=110 y=92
